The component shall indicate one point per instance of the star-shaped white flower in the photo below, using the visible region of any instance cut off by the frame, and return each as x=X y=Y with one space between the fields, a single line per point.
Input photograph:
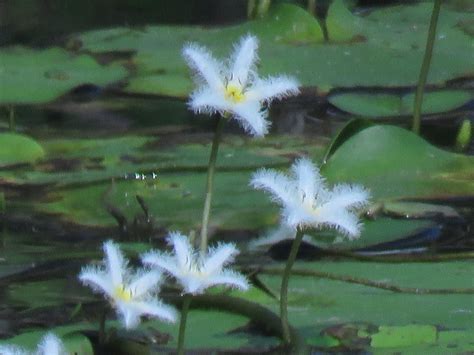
x=307 y=202
x=195 y=272
x=133 y=294
x=50 y=344
x=235 y=88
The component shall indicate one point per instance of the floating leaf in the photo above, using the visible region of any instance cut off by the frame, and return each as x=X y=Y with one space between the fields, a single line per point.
x=18 y=148
x=394 y=163
x=401 y=336
x=31 y=76
x=386 y=105
x=384 y=50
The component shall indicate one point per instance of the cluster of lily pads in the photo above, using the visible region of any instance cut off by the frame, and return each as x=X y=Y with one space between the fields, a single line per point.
x=234 y=91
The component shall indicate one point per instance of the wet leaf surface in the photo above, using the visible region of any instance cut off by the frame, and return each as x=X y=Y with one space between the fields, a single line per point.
x=32 y=77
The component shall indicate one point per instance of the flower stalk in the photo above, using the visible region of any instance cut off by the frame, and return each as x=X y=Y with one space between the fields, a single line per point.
x=211 y=167
x=284 y=287
x=182 y=322
x=425 y=67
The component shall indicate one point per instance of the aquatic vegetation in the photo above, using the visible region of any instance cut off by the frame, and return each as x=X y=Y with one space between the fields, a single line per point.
x=308 y=203
x=239 y=92
x=50 y=344
x=350 y=64
x=196 y=272
x=133 y=294
x=236 y=89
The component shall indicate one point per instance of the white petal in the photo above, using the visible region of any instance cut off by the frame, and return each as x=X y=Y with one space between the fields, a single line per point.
x=229 y=278
x=208 y=101
x=157 y=310
x=182 y=249
x=199 y=59
x=244 y=59
x=274 y=236
x=345 y=222
x=130 y=316
x=162 y=261
x=251 y=117
x=218 y=257
x=116 y=264
x=144 y=282
x=273 y=88
x=278 y=184
x=193 y=284
x=345 y=196
x=307 y=177
x=98 y=280
x=13 y=350
x=51 y=345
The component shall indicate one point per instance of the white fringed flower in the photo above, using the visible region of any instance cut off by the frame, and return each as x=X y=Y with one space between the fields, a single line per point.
x=235 y=88
x=50 y=344
x=308 y=203
x=132 y=294
x=194 y=272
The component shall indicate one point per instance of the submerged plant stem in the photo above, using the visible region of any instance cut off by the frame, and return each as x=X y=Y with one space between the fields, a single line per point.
x=210 y=182
x=425 y=67
x=284 y=287
x=182 y=322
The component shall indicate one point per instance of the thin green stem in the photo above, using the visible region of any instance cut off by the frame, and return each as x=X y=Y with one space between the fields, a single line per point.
x=284 y=287
x=425 y=67
x=11 y=118
x=311 y=7
x=182 y=322
x=102 y=332
x=261 y=316
x=210 y=182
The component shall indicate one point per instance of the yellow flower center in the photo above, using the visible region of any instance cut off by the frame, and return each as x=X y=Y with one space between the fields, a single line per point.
x=234 y=93
x=123 y=294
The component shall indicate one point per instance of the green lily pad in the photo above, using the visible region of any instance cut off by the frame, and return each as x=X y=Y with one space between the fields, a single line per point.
x=383 y=46
x=394 y=164
x=76 y=161
x=407 y=335
x=31 y=76
x=318 y=303
x=18 y=148
x=169 y=84
x=380 y=230
x=404 y=209
x=175 y=200
x=386 y=105
x=342 y=25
